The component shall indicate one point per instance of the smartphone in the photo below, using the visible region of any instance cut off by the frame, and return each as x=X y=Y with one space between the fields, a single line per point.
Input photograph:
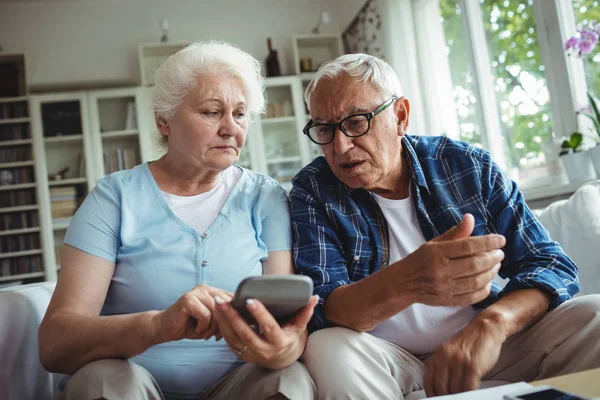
x=542 y=393
x=283 y=295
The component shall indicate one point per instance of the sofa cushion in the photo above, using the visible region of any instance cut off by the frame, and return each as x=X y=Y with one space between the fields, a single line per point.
x=575 y=224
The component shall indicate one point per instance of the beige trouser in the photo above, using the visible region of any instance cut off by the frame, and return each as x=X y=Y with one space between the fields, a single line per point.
x=351 y=365
x=122 y=379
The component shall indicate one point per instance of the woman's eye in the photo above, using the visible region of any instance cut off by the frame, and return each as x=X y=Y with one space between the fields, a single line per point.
x=210 y=113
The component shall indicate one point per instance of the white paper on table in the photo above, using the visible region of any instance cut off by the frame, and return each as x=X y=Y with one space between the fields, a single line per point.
x=493 y=393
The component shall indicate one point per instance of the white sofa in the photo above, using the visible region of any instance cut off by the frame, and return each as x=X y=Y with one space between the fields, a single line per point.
x=575 y=223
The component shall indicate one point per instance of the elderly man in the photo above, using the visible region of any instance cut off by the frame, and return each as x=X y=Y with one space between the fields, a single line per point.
x=407 y=306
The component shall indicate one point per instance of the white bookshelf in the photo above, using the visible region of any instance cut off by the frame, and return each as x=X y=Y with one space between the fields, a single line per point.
x=20 y=241
x=279 y=148
x=62 y=138
x=115 y=129
x=319 y=48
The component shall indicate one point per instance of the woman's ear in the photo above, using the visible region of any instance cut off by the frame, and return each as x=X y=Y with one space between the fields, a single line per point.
x=162 y=125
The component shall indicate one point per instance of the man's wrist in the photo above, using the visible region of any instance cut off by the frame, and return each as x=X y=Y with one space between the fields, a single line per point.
x=495 y=322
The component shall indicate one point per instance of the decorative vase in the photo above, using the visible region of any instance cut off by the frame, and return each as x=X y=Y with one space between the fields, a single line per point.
x=594 y=153
x=579 y=167
x=272 y=61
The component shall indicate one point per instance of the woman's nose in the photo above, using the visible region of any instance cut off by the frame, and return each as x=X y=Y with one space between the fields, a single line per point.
x=229 y=126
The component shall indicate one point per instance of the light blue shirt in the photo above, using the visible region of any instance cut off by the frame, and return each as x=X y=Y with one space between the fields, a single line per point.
x=158 y=257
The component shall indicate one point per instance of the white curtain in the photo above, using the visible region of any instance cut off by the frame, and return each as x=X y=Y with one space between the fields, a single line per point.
x=409 y=36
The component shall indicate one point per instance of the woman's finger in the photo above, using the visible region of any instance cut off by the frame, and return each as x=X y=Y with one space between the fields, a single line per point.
x=267 y=324
x=240 y=327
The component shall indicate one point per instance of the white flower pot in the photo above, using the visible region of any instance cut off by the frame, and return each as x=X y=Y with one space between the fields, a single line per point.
x=579 y=167
x=594 y=153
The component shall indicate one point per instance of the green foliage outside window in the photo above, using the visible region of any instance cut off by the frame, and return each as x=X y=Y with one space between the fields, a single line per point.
x=518 y=74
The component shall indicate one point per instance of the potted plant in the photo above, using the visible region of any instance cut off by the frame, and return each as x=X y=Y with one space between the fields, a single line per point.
x=577 y=163
x=583 y=43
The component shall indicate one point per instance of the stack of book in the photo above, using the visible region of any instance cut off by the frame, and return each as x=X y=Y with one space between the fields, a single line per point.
x=63 y=201
x=118 y=159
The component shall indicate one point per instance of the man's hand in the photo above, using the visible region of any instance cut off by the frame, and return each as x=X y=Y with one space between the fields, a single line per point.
x=460 y=363
x=453 y=269
x=191 y=317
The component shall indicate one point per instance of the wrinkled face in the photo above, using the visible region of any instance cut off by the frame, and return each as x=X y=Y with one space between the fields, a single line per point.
x=372 y=161
x=210 y=126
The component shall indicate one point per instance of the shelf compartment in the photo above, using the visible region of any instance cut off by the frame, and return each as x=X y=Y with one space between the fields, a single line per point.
x=21 y=276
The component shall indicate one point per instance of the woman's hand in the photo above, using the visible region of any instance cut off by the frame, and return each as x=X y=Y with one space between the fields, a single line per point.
x=277 y=347
x=191 y=317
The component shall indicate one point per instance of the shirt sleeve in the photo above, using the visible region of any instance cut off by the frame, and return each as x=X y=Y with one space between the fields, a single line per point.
x=276 y=230
x=532 y=259
x=95 y=226
x=318 y=252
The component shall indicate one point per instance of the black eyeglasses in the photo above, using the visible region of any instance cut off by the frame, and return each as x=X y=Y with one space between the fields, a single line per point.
x=352 y=126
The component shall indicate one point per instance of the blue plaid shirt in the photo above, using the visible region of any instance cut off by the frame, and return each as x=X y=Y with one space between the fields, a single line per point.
x=341 y=236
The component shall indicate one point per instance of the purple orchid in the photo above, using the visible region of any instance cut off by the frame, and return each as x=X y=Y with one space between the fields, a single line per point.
x=585 y=40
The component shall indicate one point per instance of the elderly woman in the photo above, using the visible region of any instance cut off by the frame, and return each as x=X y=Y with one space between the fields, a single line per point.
x=153 y=253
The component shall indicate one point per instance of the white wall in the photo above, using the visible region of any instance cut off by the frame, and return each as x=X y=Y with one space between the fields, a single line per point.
x=96 y=40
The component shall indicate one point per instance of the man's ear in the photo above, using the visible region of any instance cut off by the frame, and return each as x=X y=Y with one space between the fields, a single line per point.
x=402 y=110
x=162 y=125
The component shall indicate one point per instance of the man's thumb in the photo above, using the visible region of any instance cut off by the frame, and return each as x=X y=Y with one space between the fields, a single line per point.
x=460 y=231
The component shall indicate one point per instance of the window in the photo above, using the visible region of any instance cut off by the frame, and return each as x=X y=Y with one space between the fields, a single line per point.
x=461 y=71
x=587 y=11
x=522 y=100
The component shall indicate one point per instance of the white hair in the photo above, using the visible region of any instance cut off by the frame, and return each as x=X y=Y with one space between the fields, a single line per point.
x=178 y=74
x=364 y=67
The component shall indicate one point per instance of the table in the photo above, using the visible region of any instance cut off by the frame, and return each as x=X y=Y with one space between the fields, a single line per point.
x=585 y=383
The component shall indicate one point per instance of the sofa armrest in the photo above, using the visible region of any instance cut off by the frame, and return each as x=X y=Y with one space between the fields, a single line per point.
x=22 y=309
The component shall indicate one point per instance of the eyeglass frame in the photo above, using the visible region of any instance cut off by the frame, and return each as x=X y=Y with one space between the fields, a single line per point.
x=335 y=125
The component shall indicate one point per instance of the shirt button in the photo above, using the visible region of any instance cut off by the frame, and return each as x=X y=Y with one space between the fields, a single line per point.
x=356 y=258
x=204 y=235
x=204 y=263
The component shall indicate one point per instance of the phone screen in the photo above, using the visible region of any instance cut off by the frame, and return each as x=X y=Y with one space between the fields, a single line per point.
x=549 y=394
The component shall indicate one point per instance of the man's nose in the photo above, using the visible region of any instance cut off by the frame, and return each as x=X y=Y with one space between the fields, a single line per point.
x=342 y=142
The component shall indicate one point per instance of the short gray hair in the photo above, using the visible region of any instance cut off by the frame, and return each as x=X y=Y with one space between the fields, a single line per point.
x=178 y=74
x=364 y=67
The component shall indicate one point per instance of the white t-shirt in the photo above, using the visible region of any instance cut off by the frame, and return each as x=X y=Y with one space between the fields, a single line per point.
x=201 y=210
x=419 y=329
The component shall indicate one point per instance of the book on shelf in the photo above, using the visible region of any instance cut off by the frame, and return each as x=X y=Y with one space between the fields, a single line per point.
x=15 y=154
x=20 y=265
x=16 y=198
x=119 y=159
x=23 y=242
x=131 y=121
x=15 y=176
x=81 y=165
x=18 y=220
x=63 y=201
x=14 y=110
x=18 y=131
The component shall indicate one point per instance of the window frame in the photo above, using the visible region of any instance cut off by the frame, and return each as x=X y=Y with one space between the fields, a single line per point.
x=555 y=23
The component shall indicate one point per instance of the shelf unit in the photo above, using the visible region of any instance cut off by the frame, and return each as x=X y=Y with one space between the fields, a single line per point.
x=284 y=150
x=115 y=129
x=151 y=56
x=319 y=48
x=62 y=138
x=20 y=242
